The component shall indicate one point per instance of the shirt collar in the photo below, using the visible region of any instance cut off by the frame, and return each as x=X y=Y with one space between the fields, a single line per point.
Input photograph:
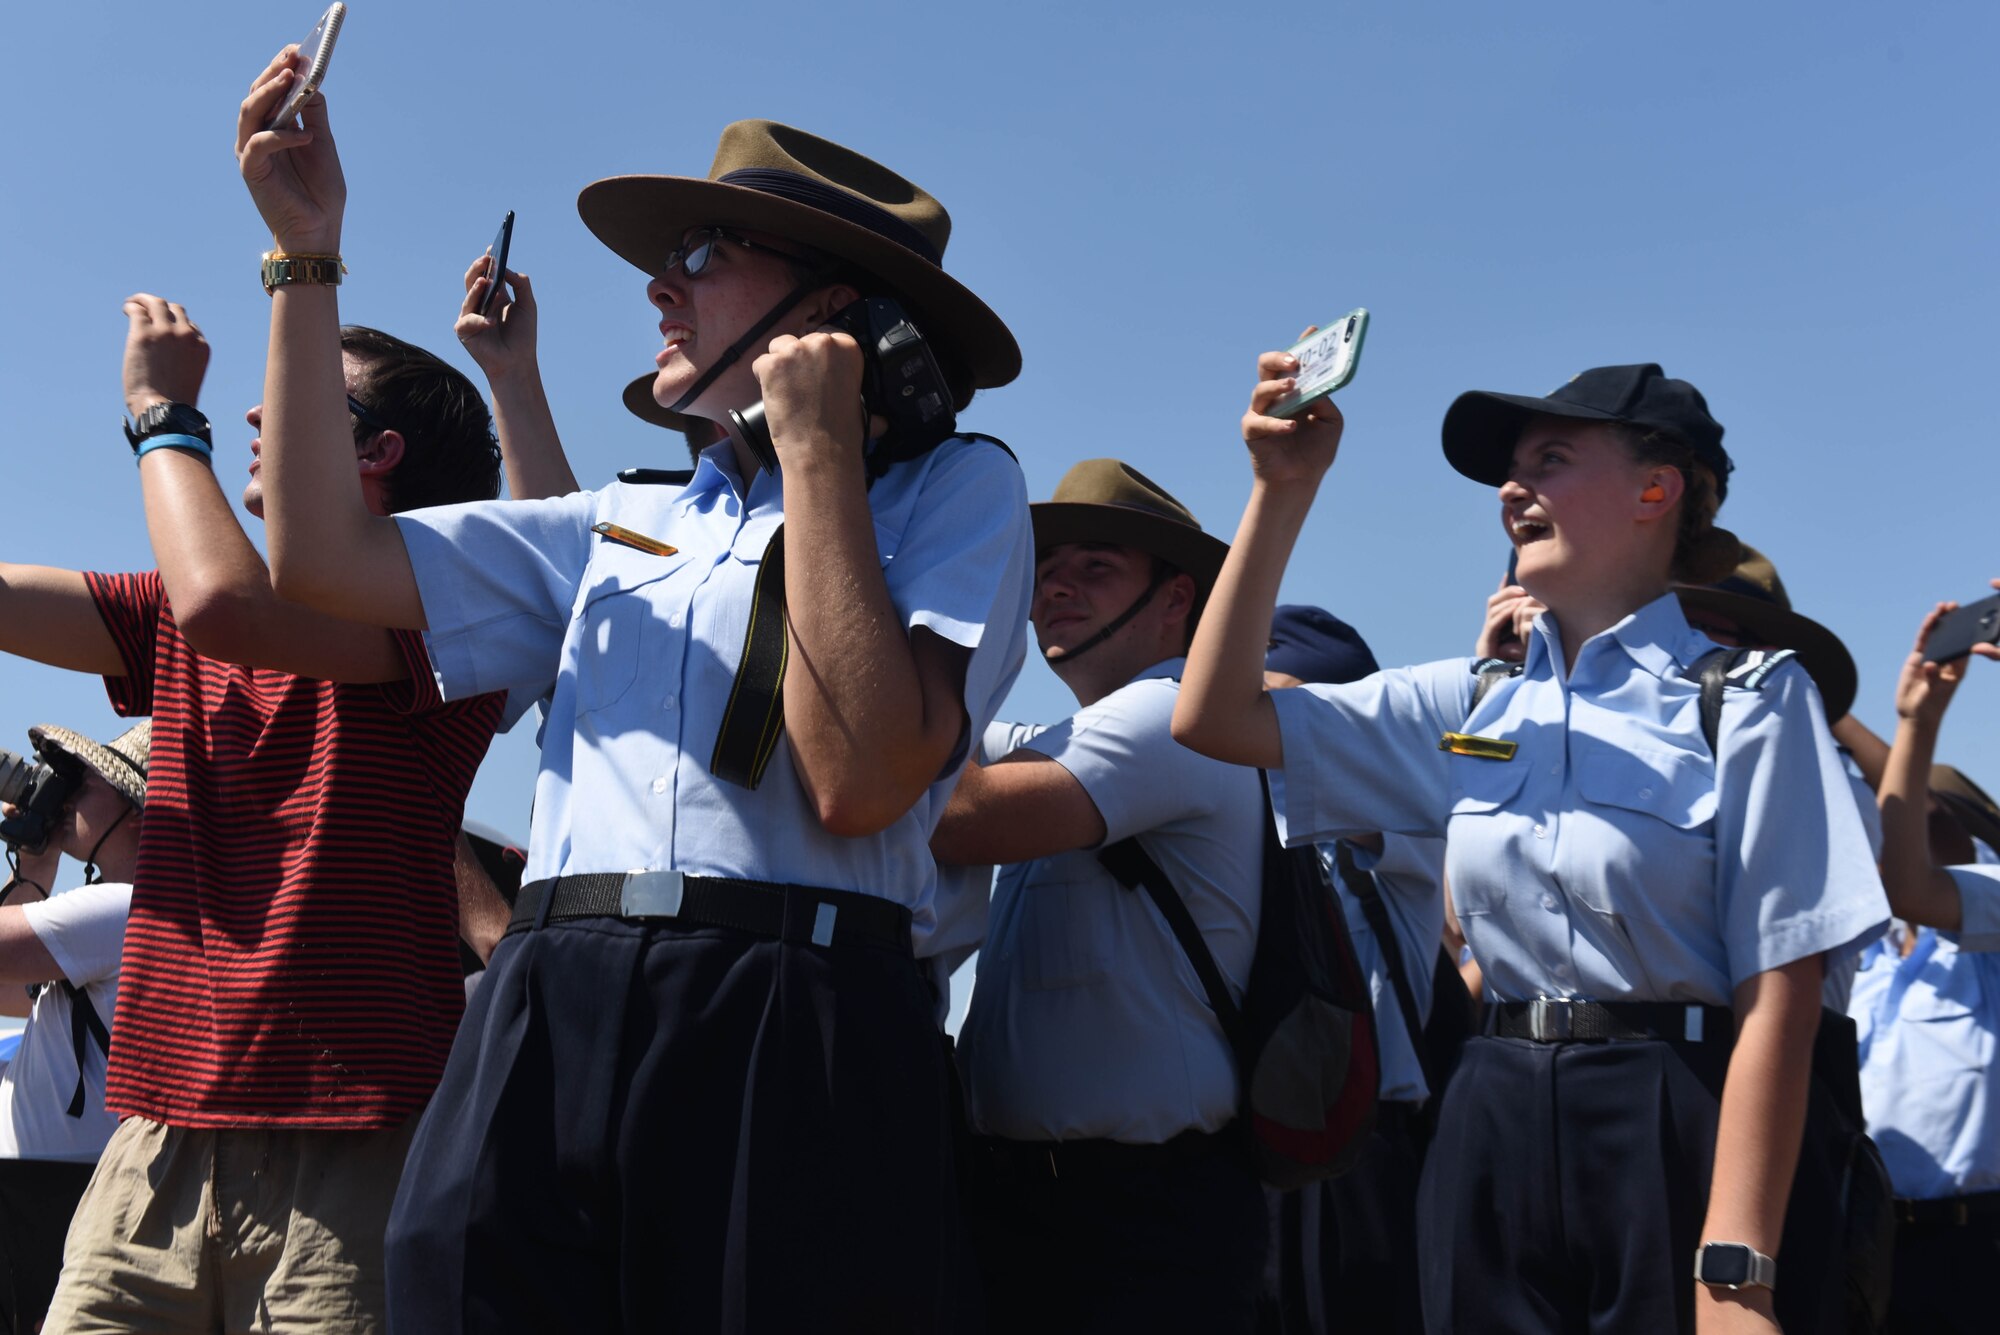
x=1166 y=667
x=715 y=475
x=1657 y=637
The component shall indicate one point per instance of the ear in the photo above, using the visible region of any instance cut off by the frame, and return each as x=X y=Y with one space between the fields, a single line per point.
x=1663 y=487
x=1177 y=599
x=823 y=305
x=380 y=453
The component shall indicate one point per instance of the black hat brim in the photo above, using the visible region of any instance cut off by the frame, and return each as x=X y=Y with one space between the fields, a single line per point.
x=1481 y=429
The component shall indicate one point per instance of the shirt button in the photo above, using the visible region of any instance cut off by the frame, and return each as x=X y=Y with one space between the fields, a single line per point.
x=1556 y=769
x=675 y=621
x=1645 y=792
x=660 y=784
x=1541 y=832
x=670 y=701
x=1551 y=903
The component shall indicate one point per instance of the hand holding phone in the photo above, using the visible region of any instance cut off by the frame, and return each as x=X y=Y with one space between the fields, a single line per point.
x=317 y=51
x=496 y=269
x=1959 y=631
x=1327 y=361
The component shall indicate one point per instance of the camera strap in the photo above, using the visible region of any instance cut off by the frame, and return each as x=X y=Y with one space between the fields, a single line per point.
x=734 y=353
x=755 y=715
x=1116 y=623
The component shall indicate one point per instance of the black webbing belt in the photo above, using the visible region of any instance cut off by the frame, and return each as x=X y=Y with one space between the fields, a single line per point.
x=1560 y=1020
x=84 y=1025
x=799 y=914
x=1982 y=1207
x=755 y=715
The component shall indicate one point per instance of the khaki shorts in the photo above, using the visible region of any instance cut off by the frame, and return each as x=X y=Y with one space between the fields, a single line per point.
x=231 y=1231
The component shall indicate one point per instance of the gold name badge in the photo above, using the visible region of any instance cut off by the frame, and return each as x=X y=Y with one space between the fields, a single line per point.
x=616 y=533
x=1481 y=748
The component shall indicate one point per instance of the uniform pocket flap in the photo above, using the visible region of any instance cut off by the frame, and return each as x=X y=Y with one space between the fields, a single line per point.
x=1674 y=787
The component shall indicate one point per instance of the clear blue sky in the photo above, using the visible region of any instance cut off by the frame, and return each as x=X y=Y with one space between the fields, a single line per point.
x=1792 y=205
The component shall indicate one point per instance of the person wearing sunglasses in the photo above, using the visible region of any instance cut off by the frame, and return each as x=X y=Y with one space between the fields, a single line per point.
x=1616 y=1151
x=707 y=1052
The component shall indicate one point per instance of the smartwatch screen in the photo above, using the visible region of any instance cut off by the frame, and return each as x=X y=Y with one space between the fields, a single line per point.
x=1728 y=1263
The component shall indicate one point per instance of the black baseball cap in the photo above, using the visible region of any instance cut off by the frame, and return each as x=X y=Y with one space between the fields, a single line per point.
x=1481 y=428
x=1314 y=645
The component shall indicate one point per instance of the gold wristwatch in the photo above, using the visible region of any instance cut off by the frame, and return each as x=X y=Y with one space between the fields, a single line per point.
x=282 y=270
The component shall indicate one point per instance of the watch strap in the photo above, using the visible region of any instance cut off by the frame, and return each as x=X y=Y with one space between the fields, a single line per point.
x=194 y=445
x=168 y=418
x=284 y=270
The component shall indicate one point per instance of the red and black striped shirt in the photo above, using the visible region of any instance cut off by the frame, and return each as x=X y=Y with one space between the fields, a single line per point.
x=291 y=955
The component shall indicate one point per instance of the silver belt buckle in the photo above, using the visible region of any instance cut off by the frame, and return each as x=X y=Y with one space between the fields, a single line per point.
x=651 y=894
x=1549 y=1019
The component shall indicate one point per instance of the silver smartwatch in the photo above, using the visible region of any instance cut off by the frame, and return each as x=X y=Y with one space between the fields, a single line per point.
x=1734 y=1265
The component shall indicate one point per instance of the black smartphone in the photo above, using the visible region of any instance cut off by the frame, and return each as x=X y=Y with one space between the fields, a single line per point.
x=497 y=252
x=1974 y=623
x=1513 y=564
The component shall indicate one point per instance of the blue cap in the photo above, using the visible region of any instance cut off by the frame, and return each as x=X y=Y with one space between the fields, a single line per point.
x=1314 y=645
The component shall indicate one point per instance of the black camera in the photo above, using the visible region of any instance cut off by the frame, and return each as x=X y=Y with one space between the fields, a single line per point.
x=901 y=383
x=38 y=789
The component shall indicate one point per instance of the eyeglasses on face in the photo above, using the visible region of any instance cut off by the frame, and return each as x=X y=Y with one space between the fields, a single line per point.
x=697 y=248
x=365 y=417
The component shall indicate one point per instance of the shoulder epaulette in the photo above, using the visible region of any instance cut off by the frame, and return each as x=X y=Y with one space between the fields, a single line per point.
x=656 y=477
x=1748 y=669
x=1490 y=673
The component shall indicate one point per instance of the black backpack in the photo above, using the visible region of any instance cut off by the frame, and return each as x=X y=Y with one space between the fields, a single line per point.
x=1304 y=1038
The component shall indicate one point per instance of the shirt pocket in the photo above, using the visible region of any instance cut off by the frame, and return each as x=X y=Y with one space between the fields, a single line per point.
x=1481 y=863
x=1069 y=936
x=1675 y=788
x=1942 y=1018
x=624 y=620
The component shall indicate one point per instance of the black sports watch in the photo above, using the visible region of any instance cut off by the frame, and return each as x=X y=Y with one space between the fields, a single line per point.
x=1734 y=1265
x=168 y=419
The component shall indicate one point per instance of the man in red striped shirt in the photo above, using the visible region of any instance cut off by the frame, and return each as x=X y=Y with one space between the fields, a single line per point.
x=291 y=979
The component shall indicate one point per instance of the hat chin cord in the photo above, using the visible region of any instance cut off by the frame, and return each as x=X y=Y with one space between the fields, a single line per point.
x=91 y=875
x=1059 y=656
x=735 y=351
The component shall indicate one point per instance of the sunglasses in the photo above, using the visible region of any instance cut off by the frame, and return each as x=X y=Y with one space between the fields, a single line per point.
x=697 y=248
x=365 y=417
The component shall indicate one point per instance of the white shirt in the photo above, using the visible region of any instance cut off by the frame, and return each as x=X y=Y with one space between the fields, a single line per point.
x=1088 y=1021
x=84 y=930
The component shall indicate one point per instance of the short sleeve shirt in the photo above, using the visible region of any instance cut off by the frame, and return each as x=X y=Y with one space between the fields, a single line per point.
x=1409 y=874
x=634 y=654
x=292 y=953
x=1088 y=1020
x=83 y=929
x=1613 y=856
x=1927 y=1025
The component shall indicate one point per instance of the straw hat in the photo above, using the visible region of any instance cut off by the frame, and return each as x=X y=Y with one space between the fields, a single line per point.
x=120 y=763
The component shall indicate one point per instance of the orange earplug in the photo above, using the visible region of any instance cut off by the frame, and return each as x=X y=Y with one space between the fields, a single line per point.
x=1656 y=492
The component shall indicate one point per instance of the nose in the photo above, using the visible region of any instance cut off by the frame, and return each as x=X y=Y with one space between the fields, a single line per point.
x=1512 y=492
x=666 y=292
x=255 y=416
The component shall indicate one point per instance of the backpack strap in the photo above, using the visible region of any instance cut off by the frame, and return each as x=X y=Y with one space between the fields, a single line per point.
x=1721 y=668
x=1490 y=672
x=1365 y=889
x=84 y=1024
x=1134 y=868
x=754 y=718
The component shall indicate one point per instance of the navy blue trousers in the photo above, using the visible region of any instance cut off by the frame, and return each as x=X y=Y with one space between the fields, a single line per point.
x=647 y=1128
x=1344 y=1254
x=1566 y=1186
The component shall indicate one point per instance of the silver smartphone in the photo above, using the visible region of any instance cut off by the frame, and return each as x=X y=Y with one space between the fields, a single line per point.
x=318 y=51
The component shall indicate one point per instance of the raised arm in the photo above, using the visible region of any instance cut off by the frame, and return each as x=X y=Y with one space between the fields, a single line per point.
x=1920 y=891
x=328 y=550
x=1224 y=711
x=48 y=615
x=873 y=710
x=503 y=343
x=215 y=581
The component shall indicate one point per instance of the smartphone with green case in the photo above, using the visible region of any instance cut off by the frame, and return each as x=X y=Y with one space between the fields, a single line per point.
x=1327 y=359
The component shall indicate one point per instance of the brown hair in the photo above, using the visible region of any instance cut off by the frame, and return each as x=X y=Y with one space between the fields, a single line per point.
x=1704 y=552
x=449 y=453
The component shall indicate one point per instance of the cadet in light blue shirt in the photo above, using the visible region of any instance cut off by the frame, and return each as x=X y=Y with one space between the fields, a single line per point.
x=1929 y=1012
x=706 y=1053
x=1116 y=1191
x=1675 y=904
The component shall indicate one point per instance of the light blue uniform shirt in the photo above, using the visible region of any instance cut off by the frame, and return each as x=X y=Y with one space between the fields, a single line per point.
x=1613 y=857
x=1088 y=1021
x=1927 y=1025
x=635 y=654
x=1409 y=875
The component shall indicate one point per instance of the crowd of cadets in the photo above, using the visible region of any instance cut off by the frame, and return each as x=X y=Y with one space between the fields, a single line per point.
x=702 y=1083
